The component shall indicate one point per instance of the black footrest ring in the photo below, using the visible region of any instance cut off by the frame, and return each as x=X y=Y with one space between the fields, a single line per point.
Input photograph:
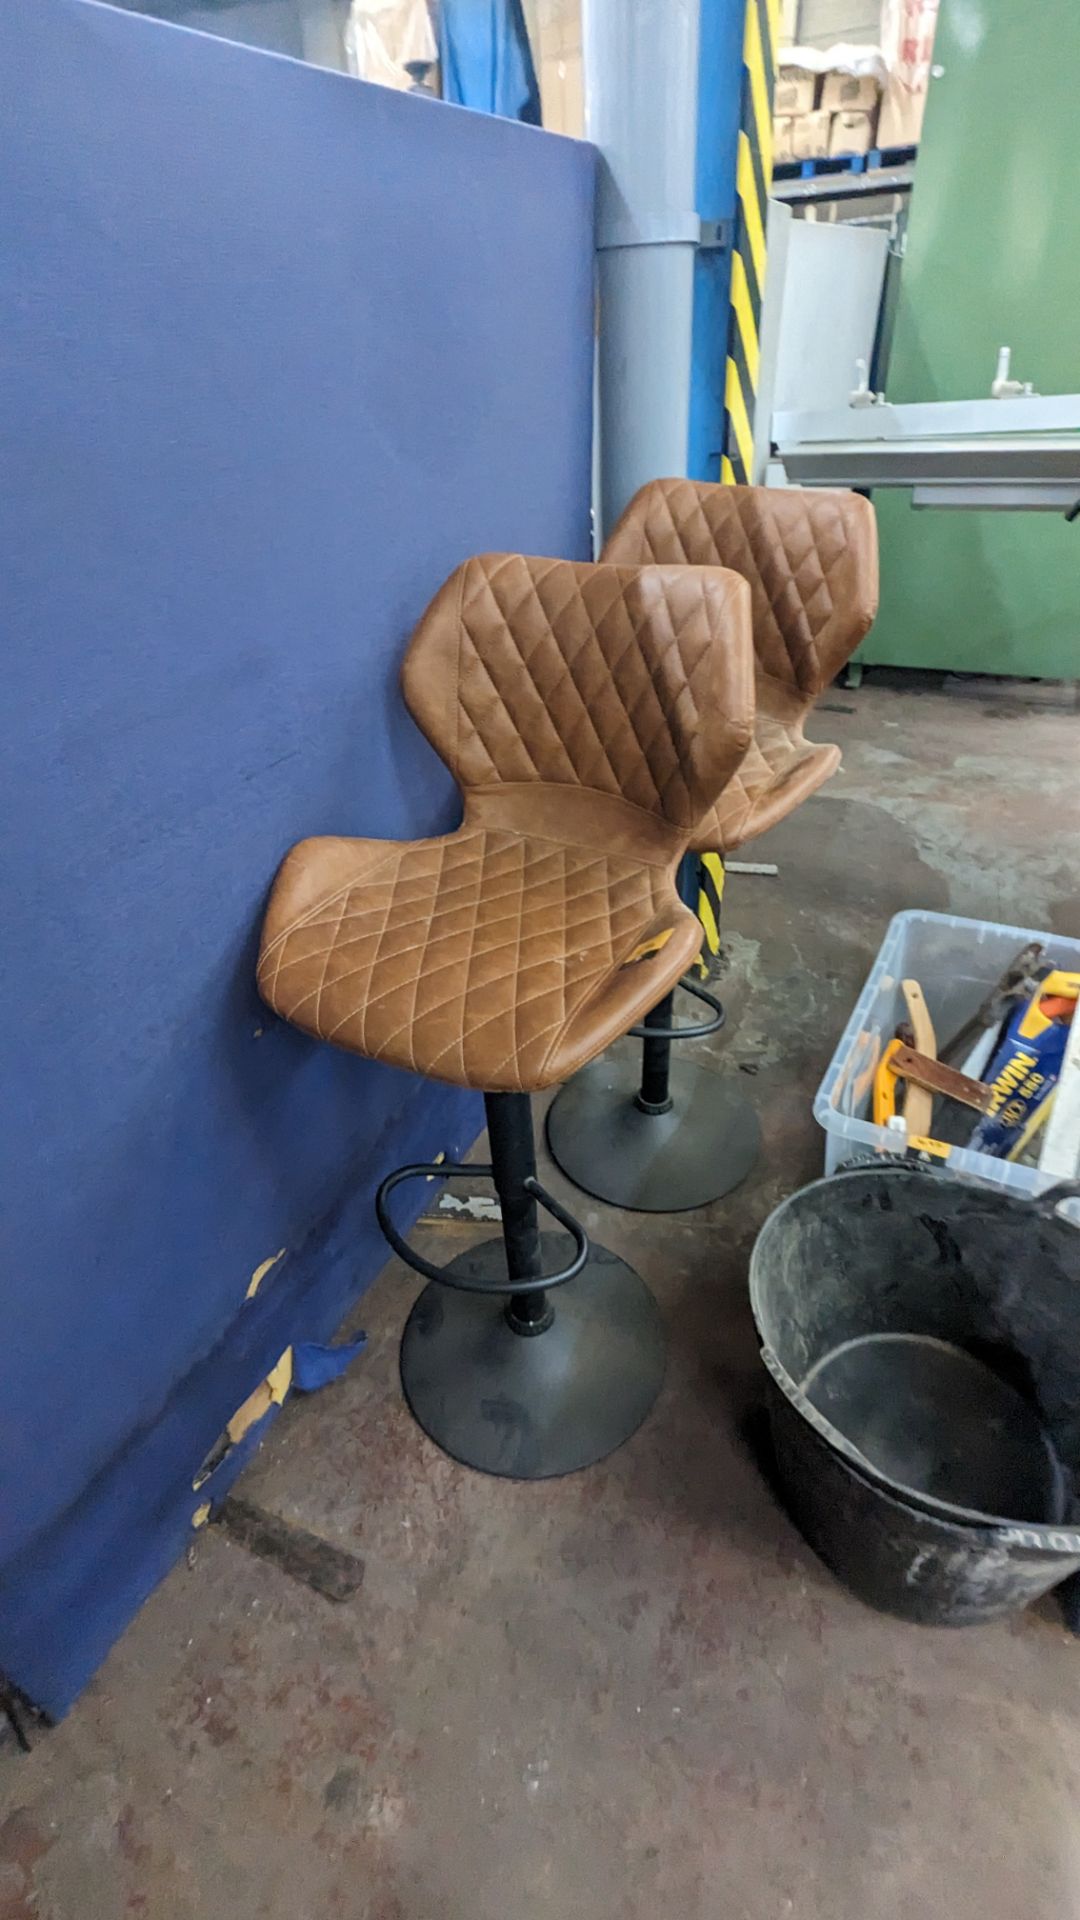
x=686 y=1033
x=452 y=1170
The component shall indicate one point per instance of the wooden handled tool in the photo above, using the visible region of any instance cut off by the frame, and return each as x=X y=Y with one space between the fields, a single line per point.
x=927 y=1076
x=919 y=1101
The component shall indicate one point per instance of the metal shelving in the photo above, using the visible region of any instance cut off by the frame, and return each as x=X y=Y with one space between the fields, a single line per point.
x=844 y=176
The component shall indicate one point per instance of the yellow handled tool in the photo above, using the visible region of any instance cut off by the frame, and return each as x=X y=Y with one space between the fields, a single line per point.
x=918 y=1102
x=885 y=1085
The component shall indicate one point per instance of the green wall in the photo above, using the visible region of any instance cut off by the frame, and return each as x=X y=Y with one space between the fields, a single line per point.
x=993 y=258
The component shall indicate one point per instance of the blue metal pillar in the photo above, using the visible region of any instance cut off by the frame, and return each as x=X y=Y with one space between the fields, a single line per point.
x=719 y=95
x=663 y=93
x=641 y=83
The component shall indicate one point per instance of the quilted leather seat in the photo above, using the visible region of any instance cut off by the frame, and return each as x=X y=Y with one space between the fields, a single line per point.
x=810 y=558
x=591 y=715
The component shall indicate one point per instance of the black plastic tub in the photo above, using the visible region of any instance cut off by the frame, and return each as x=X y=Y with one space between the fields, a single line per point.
x=922 y=1338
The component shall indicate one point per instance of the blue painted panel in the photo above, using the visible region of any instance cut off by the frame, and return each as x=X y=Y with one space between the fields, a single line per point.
x=282 y=348
x=720 y=74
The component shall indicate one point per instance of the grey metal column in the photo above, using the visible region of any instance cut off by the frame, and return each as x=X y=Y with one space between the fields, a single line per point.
x=641 y=91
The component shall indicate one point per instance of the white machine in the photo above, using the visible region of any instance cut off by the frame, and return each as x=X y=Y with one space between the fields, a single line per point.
x=1017 y=450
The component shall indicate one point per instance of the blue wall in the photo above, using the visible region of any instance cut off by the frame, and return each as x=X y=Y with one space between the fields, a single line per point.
x=283 y=349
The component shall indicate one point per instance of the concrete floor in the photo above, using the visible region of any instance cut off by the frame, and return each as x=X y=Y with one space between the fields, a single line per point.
x=634 y=1692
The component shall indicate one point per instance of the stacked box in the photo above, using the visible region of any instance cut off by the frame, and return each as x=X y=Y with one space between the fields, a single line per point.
x=851 y=132
x=783 y=147
x=850 y=93
x=796 y=92
x=810 y=135
x=823 y=114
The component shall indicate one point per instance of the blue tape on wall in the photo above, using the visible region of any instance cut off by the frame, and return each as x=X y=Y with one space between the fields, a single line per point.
x=282 y=348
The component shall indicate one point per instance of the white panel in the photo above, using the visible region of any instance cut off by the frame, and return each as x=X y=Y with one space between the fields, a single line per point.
x=1061 y=1148
x=777 y=234
x=828 y=317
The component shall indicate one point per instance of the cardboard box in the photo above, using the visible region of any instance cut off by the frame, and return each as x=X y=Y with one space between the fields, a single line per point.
x=851 y=133
x=907 y=40
x=901 y=118
x=850 y=92
x=796 y=92
x=810 y=135
x=783 y=147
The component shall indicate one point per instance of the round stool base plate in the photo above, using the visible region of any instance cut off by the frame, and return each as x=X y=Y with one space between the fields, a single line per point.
x=652 y=1163
x=528 y=1407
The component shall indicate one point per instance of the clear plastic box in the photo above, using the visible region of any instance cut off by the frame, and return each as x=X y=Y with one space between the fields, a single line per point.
x=956 y=962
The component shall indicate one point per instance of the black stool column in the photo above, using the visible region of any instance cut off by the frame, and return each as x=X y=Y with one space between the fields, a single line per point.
x=654 y=1094
x=661 y=1138
x=513 y=1163
x=502 y=1373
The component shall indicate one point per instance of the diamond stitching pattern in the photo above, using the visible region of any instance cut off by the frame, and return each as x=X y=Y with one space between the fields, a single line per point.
x=496 y=957
x=440 y=955
x=544 y=641
x=809 y=556
x=780 y=771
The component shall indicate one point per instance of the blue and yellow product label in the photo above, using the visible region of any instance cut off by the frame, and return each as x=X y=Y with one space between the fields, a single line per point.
x=1026 y=1066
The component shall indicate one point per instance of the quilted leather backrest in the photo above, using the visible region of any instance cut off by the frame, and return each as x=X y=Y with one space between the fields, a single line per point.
x=810 y=557
x=632 y=681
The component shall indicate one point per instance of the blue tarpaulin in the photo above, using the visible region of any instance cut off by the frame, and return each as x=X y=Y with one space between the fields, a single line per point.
x=486 y=59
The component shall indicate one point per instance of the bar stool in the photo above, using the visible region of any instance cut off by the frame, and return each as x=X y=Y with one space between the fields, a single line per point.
x=673 y=1135
x=590 y=714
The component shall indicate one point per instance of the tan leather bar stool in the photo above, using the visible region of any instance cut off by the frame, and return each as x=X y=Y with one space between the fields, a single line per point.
x=673 y=1135
x=590 y=715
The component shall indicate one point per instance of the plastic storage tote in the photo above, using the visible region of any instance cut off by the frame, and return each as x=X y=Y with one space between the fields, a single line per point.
x=956 y=962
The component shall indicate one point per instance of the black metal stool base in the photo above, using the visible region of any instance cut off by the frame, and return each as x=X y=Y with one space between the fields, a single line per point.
x=529 y=1407
x=652 y=1162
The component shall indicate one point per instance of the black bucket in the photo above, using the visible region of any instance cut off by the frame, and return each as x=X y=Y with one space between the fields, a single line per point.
x=922 y=1337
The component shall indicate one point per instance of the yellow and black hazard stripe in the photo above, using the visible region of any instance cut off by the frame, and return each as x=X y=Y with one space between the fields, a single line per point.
x=753 y=177
x=710 y=894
